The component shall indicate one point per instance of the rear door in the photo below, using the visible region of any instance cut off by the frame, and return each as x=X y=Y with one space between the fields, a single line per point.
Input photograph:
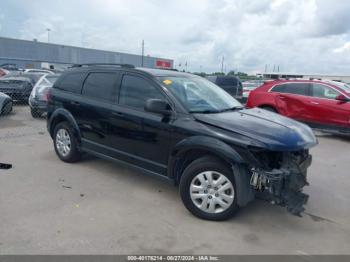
x=292 y=100
x=326 y=110
x=98 y=94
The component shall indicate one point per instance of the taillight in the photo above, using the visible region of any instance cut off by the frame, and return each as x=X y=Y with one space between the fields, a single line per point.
x=48 y=95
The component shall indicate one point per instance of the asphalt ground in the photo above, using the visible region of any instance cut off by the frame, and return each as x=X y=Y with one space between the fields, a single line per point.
x=100 y=207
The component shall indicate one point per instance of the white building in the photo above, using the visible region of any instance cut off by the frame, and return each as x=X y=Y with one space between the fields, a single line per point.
x=275 y=75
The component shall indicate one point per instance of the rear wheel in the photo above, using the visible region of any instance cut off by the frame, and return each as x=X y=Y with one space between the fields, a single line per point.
x=207 y=189
x=65 y=143
x=7 y=109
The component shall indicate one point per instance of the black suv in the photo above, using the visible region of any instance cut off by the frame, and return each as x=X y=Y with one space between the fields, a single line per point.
x=230 y=84
x=183 y=128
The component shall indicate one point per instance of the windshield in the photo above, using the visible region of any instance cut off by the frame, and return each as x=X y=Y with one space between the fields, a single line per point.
x=343 y=86
x=44 y=83
x=199 y=95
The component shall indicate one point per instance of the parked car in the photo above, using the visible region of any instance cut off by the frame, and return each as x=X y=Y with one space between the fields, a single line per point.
x=43 y=71
x=38 y=97
x=18 y=85
x=230 y=84
x=5 y=104
x=10 y=67
x=3 y=72
x=320 y=104
x=185 y=129
x=247 y=87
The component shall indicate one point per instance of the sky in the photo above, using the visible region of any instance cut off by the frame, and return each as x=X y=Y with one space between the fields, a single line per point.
x=297 y=36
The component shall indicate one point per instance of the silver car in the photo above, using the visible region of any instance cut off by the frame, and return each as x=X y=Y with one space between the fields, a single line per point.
x=5 y=104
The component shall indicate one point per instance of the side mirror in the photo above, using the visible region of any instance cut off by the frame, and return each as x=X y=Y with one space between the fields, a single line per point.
x=342 y=98
x=158 y=106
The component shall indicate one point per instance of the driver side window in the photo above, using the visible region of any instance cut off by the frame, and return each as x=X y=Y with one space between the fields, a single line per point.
x=135 y=91
x=323 y=91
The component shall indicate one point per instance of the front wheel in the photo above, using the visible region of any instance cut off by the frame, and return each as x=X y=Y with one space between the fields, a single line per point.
x=207 y=189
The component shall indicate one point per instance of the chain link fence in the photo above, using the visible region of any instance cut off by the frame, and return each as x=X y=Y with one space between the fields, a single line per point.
x=29 y=89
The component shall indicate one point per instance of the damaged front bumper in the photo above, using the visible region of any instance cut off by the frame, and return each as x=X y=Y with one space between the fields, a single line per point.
x=283 y=185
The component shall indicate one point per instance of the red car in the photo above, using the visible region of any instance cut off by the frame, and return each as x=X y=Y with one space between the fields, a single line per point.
x=320 y=104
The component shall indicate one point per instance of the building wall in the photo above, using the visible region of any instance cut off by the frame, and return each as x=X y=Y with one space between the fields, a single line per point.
x=31 y=54
x=342 y=78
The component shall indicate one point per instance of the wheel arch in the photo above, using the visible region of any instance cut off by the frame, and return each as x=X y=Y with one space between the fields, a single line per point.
x=189 y=149
x=193 y=148
x=62 y=115
x=268 y=105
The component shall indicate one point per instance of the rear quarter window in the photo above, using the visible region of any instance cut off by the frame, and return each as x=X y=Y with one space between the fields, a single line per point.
x=71 y=82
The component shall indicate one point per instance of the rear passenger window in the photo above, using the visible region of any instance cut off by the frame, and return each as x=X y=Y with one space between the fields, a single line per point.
x=100 y=86
x=292 y=88
x=135 y=91
x=72 y=82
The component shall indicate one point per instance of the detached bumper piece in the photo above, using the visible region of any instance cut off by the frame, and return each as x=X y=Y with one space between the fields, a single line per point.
x=284 y=186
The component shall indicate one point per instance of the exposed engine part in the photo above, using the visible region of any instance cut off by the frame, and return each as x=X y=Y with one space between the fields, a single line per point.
x=283 y=186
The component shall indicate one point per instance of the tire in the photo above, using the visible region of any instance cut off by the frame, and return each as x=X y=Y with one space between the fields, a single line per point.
x=35 y=113
x=269 y=108
x=68 y=150
x=204 y=168
x=7 y=109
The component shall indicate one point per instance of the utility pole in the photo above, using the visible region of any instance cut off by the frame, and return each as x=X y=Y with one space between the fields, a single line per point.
x=143 y=52
x=48 y=34
x=222 y=64
x=265 y=68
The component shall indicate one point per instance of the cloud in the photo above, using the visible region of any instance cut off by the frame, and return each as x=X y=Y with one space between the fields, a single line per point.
x=342 y=49
x=298 y=35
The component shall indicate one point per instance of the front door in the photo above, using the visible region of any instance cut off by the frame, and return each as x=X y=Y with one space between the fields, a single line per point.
x=141 y=138
x=326 y=110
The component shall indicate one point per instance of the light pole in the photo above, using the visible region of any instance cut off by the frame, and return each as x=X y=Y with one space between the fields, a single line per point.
x=48 y=34
x=222 y=64
x=143 y=52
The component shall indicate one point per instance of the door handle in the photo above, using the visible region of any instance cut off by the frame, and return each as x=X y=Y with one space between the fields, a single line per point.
x=282 y=97
x=314 y=103
x=74 y=103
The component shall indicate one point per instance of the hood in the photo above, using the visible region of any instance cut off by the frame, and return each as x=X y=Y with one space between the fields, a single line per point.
x=276 y=132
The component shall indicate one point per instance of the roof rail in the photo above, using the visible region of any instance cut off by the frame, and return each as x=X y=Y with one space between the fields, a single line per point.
x=104 y=64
